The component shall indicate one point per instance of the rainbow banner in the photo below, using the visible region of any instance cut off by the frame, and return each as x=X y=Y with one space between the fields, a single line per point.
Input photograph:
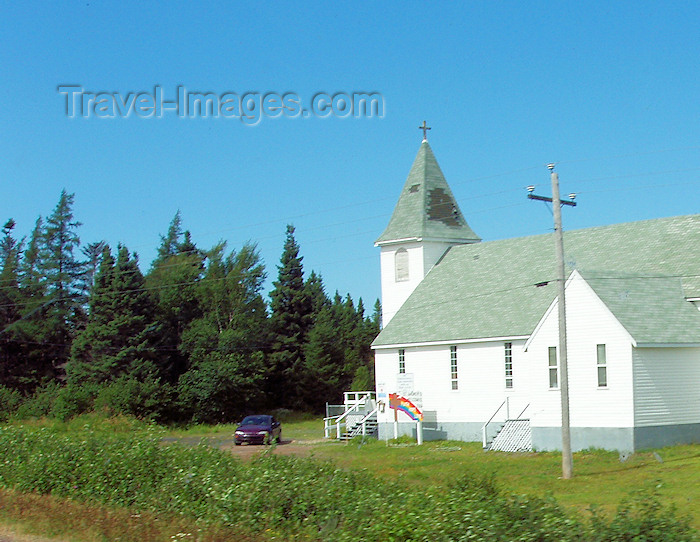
x=397 y=402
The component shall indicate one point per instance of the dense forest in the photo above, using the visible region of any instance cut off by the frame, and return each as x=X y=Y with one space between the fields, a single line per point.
x=192 y=340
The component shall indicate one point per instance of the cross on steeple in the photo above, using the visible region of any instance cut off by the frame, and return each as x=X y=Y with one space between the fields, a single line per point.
x=425 y=129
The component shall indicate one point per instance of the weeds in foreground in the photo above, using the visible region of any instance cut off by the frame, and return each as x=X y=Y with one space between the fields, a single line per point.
x=288 y=497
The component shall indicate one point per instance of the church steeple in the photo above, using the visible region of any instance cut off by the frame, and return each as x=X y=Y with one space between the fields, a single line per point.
x=426 y=209
x=426 y=222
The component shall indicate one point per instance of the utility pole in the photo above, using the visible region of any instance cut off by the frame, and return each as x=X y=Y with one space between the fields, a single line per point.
x=567 y=461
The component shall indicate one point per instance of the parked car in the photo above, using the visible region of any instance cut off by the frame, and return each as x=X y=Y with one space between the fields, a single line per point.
x=258 y=429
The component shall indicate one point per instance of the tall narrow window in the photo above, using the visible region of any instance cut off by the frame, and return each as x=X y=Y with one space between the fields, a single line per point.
x=509 y=364
x=602 y=366
x=401 y=265
x=453 y=367
x=553 y=368
x=402 y=361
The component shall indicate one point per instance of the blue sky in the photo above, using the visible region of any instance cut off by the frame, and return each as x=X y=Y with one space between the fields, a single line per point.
x=608 y=90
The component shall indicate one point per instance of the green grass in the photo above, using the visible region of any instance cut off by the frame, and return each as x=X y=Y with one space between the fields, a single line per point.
x=119 y=463
x=599 y=476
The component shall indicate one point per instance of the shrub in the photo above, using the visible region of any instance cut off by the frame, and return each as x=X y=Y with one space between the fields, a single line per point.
x=73 y=400
x=642 y=518
x=10 y=401
x=40 y=403
x=147 y=399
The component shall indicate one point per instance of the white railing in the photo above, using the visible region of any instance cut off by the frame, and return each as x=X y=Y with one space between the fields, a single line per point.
x=505 y=403
x=354 y=402
x=363 y=423
x=351 y=398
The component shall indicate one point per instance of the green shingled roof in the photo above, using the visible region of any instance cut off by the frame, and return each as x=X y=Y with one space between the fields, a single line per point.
x=426 y=208
x=641 y=270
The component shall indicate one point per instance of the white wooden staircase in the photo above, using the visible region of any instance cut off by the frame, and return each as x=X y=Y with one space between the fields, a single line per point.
x=514 y=436
x=358 y=417
x=514 y=433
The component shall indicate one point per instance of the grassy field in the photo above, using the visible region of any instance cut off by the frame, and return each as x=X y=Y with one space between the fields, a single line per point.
x=600 y=479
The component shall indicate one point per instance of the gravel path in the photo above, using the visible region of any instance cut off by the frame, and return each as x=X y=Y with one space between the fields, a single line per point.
x=247 y=451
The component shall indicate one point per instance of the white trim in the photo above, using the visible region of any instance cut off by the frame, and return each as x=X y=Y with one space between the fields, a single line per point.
x=459 y=241
x=398 y=241
x=576 y=275
x=667 y=345
x=442 y=343
x=541 y=323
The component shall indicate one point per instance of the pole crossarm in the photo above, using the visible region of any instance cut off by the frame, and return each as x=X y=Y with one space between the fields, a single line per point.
x=544 y=198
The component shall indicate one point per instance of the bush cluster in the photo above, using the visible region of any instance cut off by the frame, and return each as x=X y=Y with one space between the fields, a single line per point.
x=300 y=497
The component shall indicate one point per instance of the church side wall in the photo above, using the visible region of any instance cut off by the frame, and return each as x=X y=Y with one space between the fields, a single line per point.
x=600 y=416
x=452 y=414
x=667 y=396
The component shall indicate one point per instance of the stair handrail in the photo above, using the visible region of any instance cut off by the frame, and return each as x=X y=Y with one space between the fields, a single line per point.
x=485 y=426
x=338 y=419
x=522 y=411
x=364 y=421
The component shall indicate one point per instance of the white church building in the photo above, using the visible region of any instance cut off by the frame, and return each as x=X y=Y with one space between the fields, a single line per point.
x=470 y=329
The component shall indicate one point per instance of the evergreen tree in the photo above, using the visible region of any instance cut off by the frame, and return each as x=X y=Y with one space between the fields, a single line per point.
x=10 y=251
x=31 y=330
x=120 y=335
x=173 y=280
x=11 y=354
x=31 y=279
x=61 y=272
x=291 y=320
x=170 y=242
x=316 y=292
x=323 y=376
x=93 y=254
x=338 y=355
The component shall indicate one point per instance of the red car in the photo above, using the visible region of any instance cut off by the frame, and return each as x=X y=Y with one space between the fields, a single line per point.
x=259 y=429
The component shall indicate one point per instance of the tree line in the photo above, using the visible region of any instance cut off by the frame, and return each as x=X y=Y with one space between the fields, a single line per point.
x=192 y=340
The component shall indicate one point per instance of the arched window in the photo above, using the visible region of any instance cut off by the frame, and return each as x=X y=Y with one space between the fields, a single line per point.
x=401 y=265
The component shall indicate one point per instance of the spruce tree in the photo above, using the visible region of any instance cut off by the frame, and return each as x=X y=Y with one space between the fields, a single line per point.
x=31 y=330
x=120 y=335
x=93 y=254
x=291 y=320
x=61 y=272
x=172 y=281
x=11 y=354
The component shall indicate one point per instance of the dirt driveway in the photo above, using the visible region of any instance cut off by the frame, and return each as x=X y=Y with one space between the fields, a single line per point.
x=246 y=451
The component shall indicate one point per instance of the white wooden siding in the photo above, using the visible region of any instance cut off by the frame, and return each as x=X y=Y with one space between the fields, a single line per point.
x=589 y=323
x=421 y=259
x=394 y=294
x=481 y=377
x=667 y=386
